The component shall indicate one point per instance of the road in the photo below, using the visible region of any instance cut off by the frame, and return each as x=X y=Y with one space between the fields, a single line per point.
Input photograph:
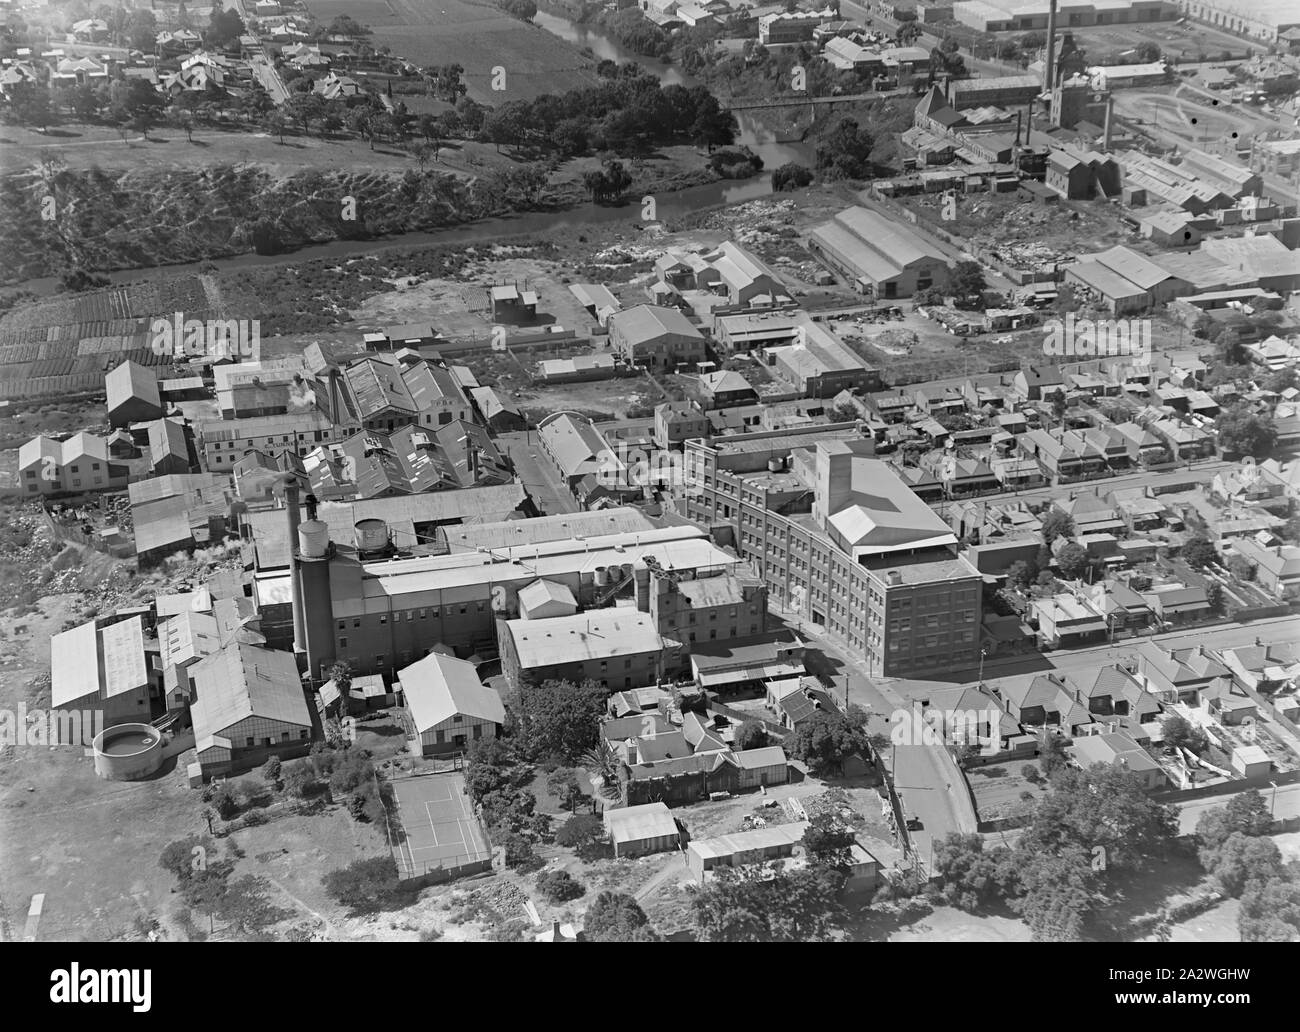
x=269 y=78
x=924 y=782
x=1283 y=802
x=537 y=475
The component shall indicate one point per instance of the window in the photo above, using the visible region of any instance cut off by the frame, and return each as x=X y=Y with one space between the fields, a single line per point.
x=343 y=643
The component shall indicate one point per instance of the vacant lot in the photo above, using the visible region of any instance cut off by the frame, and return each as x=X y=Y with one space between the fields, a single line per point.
x=478 y=36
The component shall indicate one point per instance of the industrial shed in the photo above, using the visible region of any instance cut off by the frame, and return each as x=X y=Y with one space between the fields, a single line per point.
x=638 y=830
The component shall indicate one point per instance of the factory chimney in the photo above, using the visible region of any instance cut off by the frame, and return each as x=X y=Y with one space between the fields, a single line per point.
x=1110 y=114
x=1049 y=72
x=294 y=518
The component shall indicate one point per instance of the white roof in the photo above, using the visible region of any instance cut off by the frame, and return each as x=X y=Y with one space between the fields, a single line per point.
x=438 y=687
x=74 y=674
x=637 y=823
x=600 y=634
x=541 y=591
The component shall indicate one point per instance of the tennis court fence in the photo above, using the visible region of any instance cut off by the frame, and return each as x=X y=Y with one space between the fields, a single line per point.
x=429 y=872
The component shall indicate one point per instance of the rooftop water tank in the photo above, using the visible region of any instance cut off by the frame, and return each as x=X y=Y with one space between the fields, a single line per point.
x=313 y=539
x=372 y=535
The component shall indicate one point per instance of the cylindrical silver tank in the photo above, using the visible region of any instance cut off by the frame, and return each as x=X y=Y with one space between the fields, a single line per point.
x=372 y=535
x=313 y=539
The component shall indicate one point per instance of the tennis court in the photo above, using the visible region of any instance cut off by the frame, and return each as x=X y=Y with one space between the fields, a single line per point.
x=436 y=824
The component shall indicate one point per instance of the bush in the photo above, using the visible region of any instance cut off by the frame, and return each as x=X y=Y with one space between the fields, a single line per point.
x=519 y=852
x=559 y=886
x=430 y=935
x=271 y=771
x=1031 y=773
x=224 y=802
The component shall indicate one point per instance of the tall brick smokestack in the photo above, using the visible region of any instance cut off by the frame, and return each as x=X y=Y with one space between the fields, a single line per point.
x=1049 y=72
x=294 y=519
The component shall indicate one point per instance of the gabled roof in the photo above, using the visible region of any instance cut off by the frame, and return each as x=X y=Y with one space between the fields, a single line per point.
x=241 y=681
x=439 y=687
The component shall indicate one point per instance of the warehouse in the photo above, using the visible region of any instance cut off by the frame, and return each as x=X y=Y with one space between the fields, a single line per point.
x=881 y=257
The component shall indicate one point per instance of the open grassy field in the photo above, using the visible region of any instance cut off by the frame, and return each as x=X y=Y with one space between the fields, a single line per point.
x=477 y=36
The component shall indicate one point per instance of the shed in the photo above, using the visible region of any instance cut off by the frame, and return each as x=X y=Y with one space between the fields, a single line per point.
x=638 y=830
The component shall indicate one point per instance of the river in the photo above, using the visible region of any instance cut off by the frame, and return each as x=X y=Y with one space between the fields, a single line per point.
x=669 y=205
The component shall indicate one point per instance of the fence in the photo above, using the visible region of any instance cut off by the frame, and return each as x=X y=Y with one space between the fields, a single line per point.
x=74 y=535
x=429 y=872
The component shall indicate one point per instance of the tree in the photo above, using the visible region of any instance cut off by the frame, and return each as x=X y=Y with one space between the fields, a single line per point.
x=274 y=122
x=559 y=887
x=560 y=718
x=1021 y=574
x=299 y=780
x=1244 y=860
x=1073 y=560
x=825 y=740
x=225 y=26
x=971 y=878
x=827 y=840
x=1197 y=552
x=519 y=852
x=845 y=153
x=968 y=283
x=1181 y=733
x=564 y=785
x=1214 y=596
x=179 y=857
x=1057 y=524
x=1103 y=807
x=765 y=904
x=1245 y=813
x=364 y=884
x=751 y=735
x=1243 y=431
x=791 y=176
x=1059 y=893
x=908 y=31
x=271 y=771
x=340 y=672
x=584 y=834
x=224 y=802
x=1241 y=568
x=30 y=104
x=617 y=917
x=1271 y=912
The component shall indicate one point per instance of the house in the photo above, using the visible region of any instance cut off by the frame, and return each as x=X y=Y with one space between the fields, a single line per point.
x=249 y=705
x=576 y=448
x=169 y=449
x=677 y=422
x=498 y=414
x=641 y=830
x=725 y=388
x=79 y=464
x=1277 y=567
x=1044 y=700
x=1037 y=382
x=1117 y=749
x=796 y=700
x=1067 y=621
x=133 y=395
x=1178 y=674
x=661 y=338
x=880 y=257
x=1178 y=604
x=448 y=706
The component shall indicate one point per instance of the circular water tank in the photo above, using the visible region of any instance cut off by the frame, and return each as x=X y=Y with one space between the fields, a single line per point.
x=127 y=752
x=372 y=535
x=313 y=539
x=775 y=464
x=602 y=576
